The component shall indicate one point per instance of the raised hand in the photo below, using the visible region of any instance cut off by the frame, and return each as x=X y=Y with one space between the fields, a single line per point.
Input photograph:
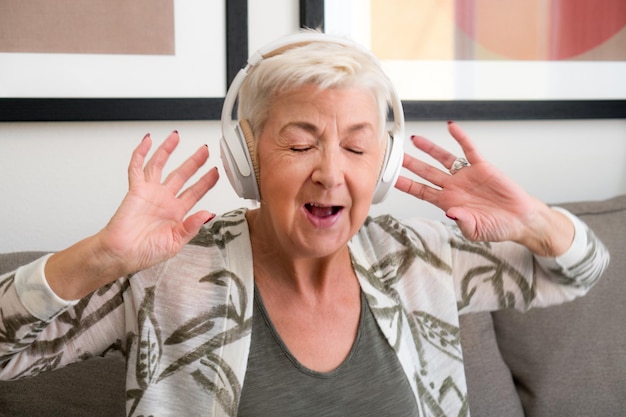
x=151 y=225
x=486 y=205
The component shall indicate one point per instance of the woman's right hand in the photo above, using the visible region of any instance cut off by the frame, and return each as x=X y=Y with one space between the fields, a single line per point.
x=151 y=224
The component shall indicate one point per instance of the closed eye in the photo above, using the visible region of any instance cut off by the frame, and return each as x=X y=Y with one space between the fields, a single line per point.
x=300 y=149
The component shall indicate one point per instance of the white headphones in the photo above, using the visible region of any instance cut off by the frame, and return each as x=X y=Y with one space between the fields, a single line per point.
x=237 y=138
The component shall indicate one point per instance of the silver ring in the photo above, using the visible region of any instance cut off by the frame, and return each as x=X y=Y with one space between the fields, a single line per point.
x=458 y=164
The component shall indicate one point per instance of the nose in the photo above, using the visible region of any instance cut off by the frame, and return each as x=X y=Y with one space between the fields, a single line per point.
x=329 y=168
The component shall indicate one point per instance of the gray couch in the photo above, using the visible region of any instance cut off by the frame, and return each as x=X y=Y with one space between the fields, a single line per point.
x=567 y=360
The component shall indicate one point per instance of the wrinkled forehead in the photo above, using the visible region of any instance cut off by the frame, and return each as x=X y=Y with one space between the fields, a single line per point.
x=314 y=109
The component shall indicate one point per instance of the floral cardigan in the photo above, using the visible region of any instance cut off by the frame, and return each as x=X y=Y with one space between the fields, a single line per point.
x=184 y=325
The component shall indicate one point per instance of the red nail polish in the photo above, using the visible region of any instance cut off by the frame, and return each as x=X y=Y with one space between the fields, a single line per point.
x=451 y=217
x=210 y=218
x=450 y=122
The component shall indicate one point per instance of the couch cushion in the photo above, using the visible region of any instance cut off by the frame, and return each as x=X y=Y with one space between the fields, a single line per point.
x=490 y=388
x=570 y=360
x=95 y=387
x=92 y=388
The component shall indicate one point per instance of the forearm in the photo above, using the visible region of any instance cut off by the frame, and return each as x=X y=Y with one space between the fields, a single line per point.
x=82 y=268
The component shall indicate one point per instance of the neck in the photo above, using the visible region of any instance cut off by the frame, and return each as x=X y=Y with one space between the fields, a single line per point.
x=278 y=267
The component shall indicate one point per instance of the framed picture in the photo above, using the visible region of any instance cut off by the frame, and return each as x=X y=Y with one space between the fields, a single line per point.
x=467 y=60
x=168 y=61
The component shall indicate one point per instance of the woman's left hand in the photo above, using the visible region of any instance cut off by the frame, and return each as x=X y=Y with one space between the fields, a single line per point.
x=486 y=205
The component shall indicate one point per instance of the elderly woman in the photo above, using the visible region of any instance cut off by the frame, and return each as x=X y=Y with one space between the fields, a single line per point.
x=304 y=305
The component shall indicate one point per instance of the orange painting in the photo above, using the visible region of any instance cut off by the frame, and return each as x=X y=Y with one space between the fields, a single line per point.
x=532 y=30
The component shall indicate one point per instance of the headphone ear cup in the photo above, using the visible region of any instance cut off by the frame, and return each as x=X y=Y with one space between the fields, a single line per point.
x=248 y=136
x=390 y=170
x=238 y=163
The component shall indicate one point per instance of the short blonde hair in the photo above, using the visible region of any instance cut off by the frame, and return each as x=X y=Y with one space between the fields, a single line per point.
x=325 y=64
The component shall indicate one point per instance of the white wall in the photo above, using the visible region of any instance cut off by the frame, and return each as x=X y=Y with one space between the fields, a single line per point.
x=62 y=181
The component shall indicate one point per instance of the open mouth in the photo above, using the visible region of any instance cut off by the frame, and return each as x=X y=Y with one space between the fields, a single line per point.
x=318 y=210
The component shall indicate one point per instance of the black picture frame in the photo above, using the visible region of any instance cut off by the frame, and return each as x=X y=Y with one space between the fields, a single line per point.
x=127 y=109
x=312 y=16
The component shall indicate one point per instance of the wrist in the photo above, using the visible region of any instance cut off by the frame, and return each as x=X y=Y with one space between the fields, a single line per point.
x=550 y=233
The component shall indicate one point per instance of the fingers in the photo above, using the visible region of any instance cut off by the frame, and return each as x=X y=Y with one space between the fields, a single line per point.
x=192 y=224
x=416 y=189
x=135 y=168
x=154 y=168
x=469 y=149
x=443 y=156
x=177 y=179
x=436 y=179
x=195 y=192
x=427 y=172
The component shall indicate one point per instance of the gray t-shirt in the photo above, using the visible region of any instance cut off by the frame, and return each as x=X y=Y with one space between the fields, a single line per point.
x=370 y=382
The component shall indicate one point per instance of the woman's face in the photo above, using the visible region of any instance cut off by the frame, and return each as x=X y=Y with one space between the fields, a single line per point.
x=319 y=158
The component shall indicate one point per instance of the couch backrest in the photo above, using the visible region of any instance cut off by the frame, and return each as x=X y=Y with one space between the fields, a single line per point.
x=570 y=360
x=563 y=361
x=11 y=261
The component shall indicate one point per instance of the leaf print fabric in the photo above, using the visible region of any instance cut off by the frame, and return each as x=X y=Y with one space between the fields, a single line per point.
x=184 y=325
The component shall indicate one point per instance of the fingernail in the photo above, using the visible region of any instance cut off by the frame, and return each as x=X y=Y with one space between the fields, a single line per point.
x=450 y=122
x=210 y=218
x=451 y=217
x=175 y=131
